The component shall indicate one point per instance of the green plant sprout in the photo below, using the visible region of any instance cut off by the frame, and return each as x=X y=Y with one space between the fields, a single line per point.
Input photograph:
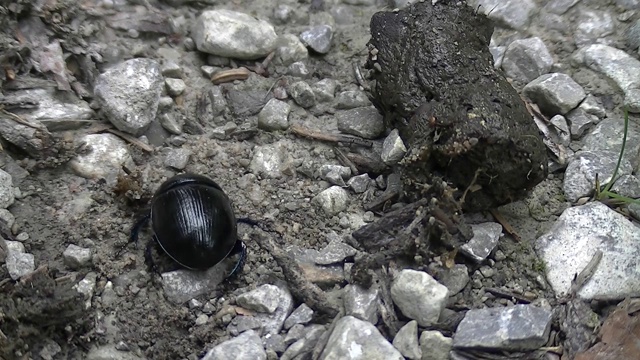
x=604 y=194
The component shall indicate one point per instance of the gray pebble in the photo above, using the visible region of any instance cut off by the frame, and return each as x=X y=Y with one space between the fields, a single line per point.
x=177 y=158
x=76 y=257
x=302 y=94
x=318 y=38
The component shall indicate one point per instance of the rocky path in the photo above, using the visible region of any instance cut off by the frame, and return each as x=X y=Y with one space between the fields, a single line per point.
x=102 y=101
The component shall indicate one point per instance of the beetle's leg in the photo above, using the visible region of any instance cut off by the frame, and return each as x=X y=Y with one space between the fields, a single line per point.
x=148 y=259
x=239 y=248
x=135 y=230
x=248 y=221
x=133 y=237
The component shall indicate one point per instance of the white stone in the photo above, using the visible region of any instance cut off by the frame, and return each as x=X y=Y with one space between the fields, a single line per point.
x=129 y=94
x=572 y=242
x=616 y=64
x=105 y=157
x=234 y=34
x=406 y=340
x=354 y=339
x=7 y=193
x=435 y=346
x=332 y=200
x=419 y=296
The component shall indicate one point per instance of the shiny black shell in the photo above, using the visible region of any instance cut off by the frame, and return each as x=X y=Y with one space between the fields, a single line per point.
x=193 y=221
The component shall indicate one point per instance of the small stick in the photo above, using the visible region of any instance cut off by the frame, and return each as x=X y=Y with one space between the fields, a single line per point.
x=505 y=224
x=578 y=282
x=507 y=295
x=317 y=135
x=225 y=76
x=20 y=120
x=380 y=200
x=342 y=157
x=131 y=139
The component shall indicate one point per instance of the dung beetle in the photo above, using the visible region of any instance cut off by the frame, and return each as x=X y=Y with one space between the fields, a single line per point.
x=193 y=222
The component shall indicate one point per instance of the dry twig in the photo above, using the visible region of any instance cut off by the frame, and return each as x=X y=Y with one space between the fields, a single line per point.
x=337 y=138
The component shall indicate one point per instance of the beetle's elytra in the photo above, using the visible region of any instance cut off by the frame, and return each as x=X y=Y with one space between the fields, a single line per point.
x=194 y=223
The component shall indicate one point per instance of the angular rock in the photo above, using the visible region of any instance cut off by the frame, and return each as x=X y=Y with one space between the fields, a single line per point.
x=592 y=26
x=393 y=148
x=485 y=238
x=318 y=38
x=267 y=323
x=301 y=315
x=335 y=252
x=201 y=319
x=274 y=115
x=306 y=344
x=57 y=111
x=274 y=342
x=354 y=339
x=182 y=285
x=333 y=200
x=245 y=346
x=571 y=243
x=580 y=176
x=406 y=341
x=171 y=70
x=175 y=87
x=263 y=299
x=580 y=122
x=87 y=287
x=324 y=90
x=627 y=185
x=170 y=124
x=19 y=264
x=607 y=136
x=455 y=279
x=419 y=296
x=76 y=257
x=296 y=333
x=555 y=93
x=352 y=99
x=298 y=69
x=365 y=122
x=593 y=106
x=361 y=303
x=129 y=94
x=526 y=59
x=513 y=328
x=562 y=129
x=177 y=158
x=616 y=64
x=104 y=159
x=233 y=34
x=7 y=192
x=340 y=171
x=434 y=345
x=270 y=160
x=359 y=183
x=513 y=14
x=302 y=94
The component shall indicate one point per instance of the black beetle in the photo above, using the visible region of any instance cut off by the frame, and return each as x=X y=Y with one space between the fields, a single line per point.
x=194 y=223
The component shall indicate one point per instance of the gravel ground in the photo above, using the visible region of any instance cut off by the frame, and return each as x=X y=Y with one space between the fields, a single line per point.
x=64 y=199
